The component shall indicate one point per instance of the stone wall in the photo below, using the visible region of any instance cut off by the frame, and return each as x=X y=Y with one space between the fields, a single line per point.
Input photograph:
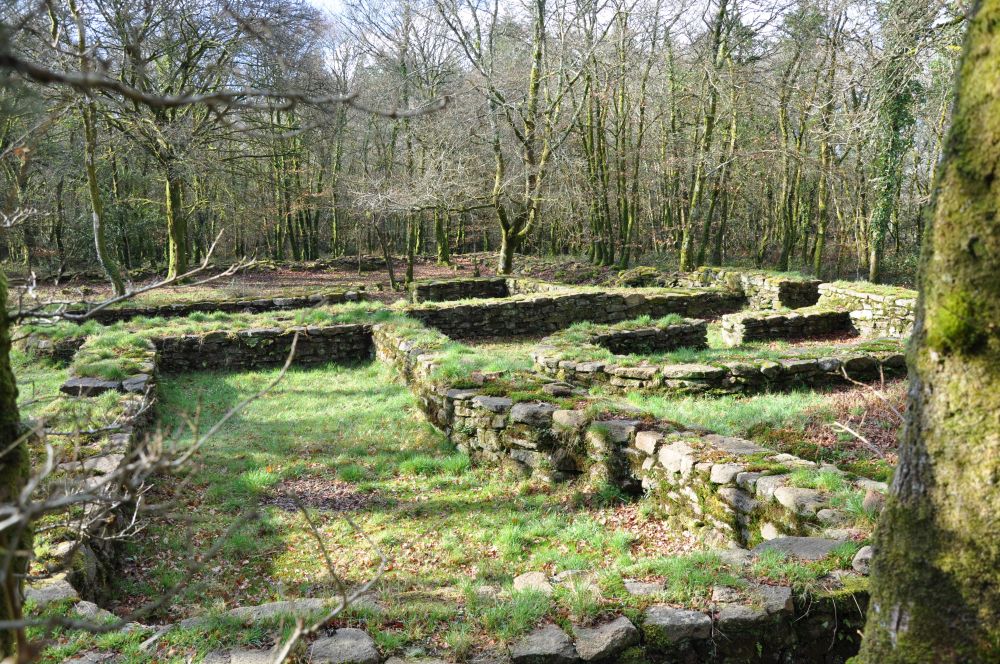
x=736 y=490
x=545 y=313
x=766 y=325
x=725 y=377
x=93 y=558
x=876 y=311
x=440 y=290
x=689 y=334
x=763 y=290
x=728 y=489
x=243 y=305
x=264 y=347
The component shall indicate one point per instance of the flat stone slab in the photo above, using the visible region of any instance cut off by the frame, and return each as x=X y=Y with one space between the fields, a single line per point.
x=532 y=413
x=607 y=640
x=89 y=387
x=643 y=588
x=493 y=404
x=733 y=445
x=240 y=657
x=667 y=624
x=803 y=548
x=801 y=501
x=346 y=646
x=545 y=645
x=533 y=581
x=90 y=611
x=56 y=590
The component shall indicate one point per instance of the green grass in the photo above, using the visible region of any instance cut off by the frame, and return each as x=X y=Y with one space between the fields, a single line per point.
x=441 y=522
x=38 y=381
x=828 y=481
x=205 y=322
x=732 y=415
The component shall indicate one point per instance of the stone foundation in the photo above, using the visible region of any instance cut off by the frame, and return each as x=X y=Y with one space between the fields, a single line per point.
x=440 y=290
x=545 y=313
x=255 y=306
x=763 y=290
x=746 y=326
x=268 y=347
x=689 y=334
x=724 y=377
x=875 y=311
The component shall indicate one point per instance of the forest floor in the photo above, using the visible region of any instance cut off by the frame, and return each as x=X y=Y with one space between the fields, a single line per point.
x=283 y=279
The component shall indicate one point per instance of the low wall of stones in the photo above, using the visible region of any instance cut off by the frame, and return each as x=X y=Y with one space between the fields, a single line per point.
x=765 y=325
x=730 y=377
x=255 y=305
x=735 y=490
x=690 y=334
x=547 y=312
x=762 y=290
x=876 y=311
x=441 y=290
x=91 y=560
x=730 y=489
x=264 y=347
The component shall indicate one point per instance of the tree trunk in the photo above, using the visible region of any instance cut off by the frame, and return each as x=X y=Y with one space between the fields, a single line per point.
x=104 y=257
x=508 y=245
x=177 y=250
x=14 y=471
x=936 y=570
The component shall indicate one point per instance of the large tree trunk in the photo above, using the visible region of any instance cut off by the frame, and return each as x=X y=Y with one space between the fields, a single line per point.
x=936 y=574
x=14 y=470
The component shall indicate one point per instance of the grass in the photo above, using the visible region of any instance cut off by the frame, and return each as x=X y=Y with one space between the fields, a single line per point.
x=38 y=381
x=351 y=434
x=205 y=322
x=731 y=415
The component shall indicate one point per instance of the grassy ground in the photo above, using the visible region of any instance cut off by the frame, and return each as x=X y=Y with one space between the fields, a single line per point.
x=349 y=441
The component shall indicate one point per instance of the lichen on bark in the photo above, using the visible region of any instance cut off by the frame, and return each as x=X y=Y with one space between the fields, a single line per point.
x=936 y=571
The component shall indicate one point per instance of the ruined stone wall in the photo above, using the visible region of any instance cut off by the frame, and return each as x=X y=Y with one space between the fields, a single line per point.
x=546 y=313
x=763 y=290
x=727 y=489
x=441 y=290
x=264 y=347
x=690 y=334
x=876 y=311
x=729 y=377
x=242 y=305
x=818 y=321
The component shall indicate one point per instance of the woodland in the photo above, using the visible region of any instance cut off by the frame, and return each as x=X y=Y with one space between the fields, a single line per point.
x=388 y=331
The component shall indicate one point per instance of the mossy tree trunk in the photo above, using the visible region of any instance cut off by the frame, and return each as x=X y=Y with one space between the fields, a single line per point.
x=14 y=470
x=936 y=572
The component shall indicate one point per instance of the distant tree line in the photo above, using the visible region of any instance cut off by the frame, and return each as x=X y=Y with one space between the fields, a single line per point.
x=789 y=136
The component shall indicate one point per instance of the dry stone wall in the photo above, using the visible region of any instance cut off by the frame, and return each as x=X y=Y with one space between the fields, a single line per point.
x=264 y=347
x=809 y=322
x=875 y=311
x=729 y=489
x=689 y=334
x=544 y=313
x=242 y=305
x=93 y=557
x=440 y=290
x=736 y=490
x=763 y=290
x=724 y=377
